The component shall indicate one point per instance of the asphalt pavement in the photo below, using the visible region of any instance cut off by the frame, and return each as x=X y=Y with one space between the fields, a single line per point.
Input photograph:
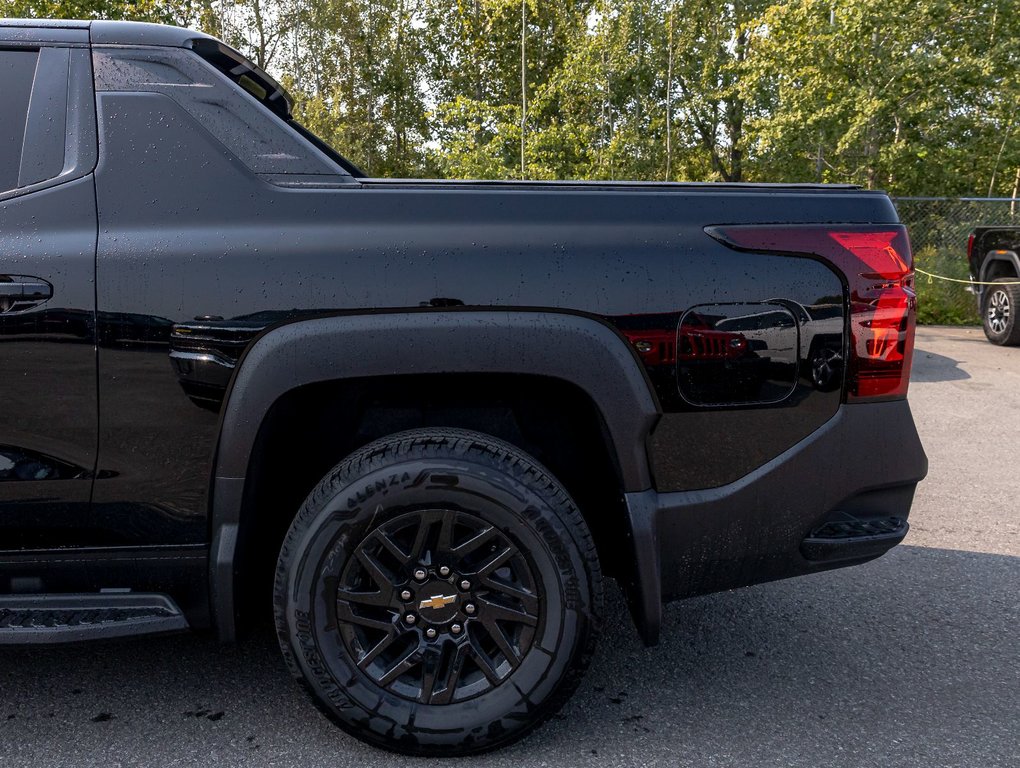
x=911 y=660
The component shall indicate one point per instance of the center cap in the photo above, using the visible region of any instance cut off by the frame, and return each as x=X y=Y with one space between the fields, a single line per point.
x=437 y=602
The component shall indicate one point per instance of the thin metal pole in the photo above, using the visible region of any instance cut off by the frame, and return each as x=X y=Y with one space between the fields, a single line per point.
x=524 y=79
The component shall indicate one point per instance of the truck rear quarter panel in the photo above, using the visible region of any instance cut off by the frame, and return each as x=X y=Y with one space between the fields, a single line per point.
x=191 y=243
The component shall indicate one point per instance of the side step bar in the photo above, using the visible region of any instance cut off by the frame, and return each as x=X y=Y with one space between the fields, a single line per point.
x=45 y=619
x=854 y=538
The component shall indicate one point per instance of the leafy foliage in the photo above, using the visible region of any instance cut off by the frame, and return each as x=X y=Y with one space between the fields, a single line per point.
x=912 y=96
x=157 y=11
x=943 y=303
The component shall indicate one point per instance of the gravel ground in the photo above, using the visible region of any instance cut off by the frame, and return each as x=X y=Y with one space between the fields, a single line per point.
x=912 y=660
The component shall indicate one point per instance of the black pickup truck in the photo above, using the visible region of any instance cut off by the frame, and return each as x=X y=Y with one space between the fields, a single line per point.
x=417 y=422
x=992 y=255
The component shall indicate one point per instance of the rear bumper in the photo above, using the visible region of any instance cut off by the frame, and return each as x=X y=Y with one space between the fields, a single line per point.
x=863 y=464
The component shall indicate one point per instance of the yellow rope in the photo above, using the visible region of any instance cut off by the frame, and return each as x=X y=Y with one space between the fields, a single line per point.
x=929 y=275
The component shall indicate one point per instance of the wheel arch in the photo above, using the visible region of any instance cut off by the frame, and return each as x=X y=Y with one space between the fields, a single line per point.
x=578 y=349
x=1000 y=264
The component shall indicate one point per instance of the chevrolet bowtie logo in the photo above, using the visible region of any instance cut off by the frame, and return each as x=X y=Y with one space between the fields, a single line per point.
x=436 y=601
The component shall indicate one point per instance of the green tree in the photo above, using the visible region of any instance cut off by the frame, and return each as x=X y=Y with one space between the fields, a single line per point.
x=358 y=70
x=915 y=97
x=476 y=85
x=158 y=11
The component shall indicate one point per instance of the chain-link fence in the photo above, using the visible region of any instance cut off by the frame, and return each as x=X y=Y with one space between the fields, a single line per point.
x=945 y=222
x=939 y=227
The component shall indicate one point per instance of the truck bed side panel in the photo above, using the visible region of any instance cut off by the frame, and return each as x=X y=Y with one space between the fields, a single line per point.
x=191 y=240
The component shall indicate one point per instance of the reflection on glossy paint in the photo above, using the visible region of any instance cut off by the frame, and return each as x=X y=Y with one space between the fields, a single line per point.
x=739 y=353
x=20 y=465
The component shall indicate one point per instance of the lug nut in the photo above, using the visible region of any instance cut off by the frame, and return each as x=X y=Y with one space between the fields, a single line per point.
x=469 y=609
x=410 y=618
x=420 y=574
x=455 y=628
x=465 y=584
x=444 y=571
x=430 y=633
x=405 y=595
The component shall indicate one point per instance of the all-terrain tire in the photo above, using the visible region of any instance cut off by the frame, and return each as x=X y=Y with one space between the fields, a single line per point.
x=1000 y=311
x=438 y=593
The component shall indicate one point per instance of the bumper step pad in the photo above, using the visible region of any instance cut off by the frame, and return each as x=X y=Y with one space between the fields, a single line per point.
x=853 y=538
x=44 y=619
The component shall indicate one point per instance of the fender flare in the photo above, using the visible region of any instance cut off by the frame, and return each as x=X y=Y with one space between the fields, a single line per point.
x=574 y=347
x=993 y=257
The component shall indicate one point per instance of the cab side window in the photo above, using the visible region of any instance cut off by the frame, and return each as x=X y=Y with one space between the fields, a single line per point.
x=47 y=118
x=243 y=126
x=17 y=72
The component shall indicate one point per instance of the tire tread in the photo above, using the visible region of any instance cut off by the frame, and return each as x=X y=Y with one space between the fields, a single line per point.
x=489 y=451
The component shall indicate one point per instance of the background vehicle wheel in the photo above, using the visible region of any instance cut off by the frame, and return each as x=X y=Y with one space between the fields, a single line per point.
x=438 y=593
x=826 y=367
x=1000 y=311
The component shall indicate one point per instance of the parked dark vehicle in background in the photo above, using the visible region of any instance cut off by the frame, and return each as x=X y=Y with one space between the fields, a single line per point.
x=417 y=420
x=992 y=253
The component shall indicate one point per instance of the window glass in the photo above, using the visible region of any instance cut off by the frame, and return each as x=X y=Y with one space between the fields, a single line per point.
x=17 y=71
x=264 y=144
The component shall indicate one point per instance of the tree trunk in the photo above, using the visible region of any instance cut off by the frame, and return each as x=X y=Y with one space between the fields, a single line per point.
x=260 y=30
x=477 y=66
x=1016 y=190
x=998 y=157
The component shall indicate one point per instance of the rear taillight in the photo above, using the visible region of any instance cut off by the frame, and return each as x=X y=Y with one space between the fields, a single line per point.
x=970 y=248
x=879 y=270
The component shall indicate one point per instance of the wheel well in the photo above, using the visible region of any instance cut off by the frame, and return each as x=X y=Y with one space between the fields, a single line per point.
x=312 y=428
x=1000 y=268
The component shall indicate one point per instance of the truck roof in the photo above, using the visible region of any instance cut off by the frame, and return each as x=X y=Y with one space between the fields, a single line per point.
x=116 y=32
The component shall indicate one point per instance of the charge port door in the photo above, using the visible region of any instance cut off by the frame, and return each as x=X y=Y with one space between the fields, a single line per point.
x=737 y=354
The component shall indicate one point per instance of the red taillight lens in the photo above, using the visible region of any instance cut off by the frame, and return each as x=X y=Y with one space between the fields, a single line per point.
x=970 y=248
x=879 y=270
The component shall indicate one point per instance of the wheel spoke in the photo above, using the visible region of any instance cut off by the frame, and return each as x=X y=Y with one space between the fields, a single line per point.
x=420 y=538
x=499 y=636
x=528 y=599
x=392 y=547
x=495 y=611
x=344 y=613
x=379 y=598
x=430 y=664
x=485 y=665
x=376 y=572
x=445 y=694
x=400 y=666
x=447 y=521
x=498 y=560
x=479 y=539
x=378 y=648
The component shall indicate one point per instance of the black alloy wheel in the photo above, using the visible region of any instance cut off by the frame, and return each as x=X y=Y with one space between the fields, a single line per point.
x=438 y=593
x=437 y=606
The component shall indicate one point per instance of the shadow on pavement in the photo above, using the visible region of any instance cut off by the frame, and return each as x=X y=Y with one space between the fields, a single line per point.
x=931 y=367
x=910 y=660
